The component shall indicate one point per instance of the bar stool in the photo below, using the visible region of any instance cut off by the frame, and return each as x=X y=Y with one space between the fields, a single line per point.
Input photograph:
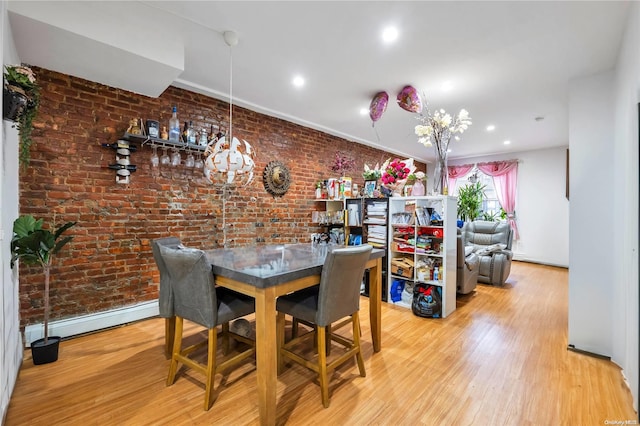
x=336 y=297
x=197 y=299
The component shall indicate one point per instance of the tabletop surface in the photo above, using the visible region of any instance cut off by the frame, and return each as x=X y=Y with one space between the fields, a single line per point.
x=269 y=265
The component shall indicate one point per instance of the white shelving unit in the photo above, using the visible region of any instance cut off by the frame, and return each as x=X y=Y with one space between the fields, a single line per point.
x=330 y=214
x=415 y=242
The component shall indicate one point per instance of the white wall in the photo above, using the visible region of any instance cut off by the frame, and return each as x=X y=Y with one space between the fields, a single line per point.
x=542 y=210
x=591 y=260
x=10 y=338
x=625 y=315
x=603 y=301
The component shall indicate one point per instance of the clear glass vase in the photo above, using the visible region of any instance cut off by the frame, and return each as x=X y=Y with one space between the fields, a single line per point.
x=440 y=176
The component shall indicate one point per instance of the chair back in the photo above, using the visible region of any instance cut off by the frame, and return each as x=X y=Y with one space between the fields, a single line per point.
x=165 y=296
x=339 y=294
x=193 y=285
x=485 y=233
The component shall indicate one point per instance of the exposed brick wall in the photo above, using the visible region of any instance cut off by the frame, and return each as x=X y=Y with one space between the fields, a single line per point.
x=109 y=263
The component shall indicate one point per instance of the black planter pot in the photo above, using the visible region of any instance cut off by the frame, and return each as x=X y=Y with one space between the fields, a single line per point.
x=13 y=103
x=45 y=353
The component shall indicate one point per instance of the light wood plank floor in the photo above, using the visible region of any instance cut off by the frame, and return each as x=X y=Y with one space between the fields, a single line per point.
x=499 y=359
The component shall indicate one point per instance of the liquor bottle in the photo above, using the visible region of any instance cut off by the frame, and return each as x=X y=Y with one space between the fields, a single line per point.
x=222 y=132
x=191 y=134
x=130 y=167
x=120 y=144
x=203 y=140
x=213 y=133
x=185 y=131
x=174 y=126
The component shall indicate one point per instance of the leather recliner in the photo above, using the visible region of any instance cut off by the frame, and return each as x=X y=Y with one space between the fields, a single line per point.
x=491 y=241
x=467 y=268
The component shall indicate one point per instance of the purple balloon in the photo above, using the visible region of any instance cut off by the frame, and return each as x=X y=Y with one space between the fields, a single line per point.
x=378 y=105
x=409 y=100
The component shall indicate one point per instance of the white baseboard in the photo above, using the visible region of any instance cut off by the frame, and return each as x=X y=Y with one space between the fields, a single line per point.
x=522 y=258
x=92 y=322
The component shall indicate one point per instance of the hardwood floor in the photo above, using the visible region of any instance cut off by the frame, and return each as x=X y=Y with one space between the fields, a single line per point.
x=499 y=359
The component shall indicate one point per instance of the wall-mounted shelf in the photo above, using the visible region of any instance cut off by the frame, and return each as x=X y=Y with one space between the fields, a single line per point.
x=182 y=146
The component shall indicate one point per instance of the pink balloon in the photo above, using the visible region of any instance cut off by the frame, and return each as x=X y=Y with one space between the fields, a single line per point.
x=378 y=105
x=409 y=100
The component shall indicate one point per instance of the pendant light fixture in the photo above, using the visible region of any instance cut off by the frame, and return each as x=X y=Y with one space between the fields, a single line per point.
x=235 y=158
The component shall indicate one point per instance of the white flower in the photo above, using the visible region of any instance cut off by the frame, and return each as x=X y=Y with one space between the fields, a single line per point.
x=425 y=141
x=423 y=130
x=437 y=128
x=419 y=175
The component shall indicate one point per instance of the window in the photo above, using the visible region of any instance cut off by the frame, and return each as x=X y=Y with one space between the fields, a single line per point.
x=490 y=204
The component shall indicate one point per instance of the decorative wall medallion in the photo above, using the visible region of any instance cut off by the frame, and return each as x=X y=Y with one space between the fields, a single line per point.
x=276 y=178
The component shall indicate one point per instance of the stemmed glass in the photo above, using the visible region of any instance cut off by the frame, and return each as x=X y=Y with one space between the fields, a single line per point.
x=176 y=160
x=165 y=161
x=155 y=161
x=190 y=163
x=198 y=171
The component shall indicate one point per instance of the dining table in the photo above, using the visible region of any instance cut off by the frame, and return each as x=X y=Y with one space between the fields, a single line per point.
x=268 y=271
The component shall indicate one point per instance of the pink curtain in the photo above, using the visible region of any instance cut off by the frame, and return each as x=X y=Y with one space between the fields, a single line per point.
x=505 y=180
x=455 y=173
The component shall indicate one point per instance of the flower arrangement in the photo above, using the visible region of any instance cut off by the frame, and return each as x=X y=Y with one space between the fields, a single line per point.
x=396 y=172
x=21 y=80
x=371 y=174
x=343 y=163
x=436 y=130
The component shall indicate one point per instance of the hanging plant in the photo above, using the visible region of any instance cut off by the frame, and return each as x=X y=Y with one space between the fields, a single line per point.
x=21 y=99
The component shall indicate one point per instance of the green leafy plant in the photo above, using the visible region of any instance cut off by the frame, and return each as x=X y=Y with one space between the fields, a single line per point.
x=470 y=201
x=36 y=246
x=21 y=79
x=371 y=174
x=490 y=217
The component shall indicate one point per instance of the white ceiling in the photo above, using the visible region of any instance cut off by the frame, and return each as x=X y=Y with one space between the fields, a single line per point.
x=507 y=62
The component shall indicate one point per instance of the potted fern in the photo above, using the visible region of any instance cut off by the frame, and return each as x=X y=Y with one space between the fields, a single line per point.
x=36 y=246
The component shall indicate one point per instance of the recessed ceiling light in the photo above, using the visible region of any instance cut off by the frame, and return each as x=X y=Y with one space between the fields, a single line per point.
x=364 y=111
x=491 y=128
x=457 y=138
x=506 y=142
x=446 y=86
x=449 y=150
x=390 y=34
x=298 y=81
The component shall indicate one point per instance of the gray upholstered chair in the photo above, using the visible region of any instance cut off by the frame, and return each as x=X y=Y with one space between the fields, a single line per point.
x=336 y=297
x=197 y=299
x=165 y=297
x=467 y=267
x=491 y=241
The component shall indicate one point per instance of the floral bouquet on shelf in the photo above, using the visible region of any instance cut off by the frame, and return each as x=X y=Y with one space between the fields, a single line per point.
x=21 y=98
x=436 y=130
x=371 y=174
x=395 y=173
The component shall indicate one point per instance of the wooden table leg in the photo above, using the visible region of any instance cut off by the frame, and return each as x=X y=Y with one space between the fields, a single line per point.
x=375 y=300
x=266 y=354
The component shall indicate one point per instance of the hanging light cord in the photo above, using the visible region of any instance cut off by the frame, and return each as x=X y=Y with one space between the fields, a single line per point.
x=224 y=188
x=230 y=93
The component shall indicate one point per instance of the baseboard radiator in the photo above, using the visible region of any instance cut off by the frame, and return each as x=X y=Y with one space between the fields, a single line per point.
x=92 y=322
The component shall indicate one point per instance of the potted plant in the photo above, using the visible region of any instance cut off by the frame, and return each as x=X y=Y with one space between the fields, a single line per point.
x=36 y=246
x=21 y=98
x=470 y=201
